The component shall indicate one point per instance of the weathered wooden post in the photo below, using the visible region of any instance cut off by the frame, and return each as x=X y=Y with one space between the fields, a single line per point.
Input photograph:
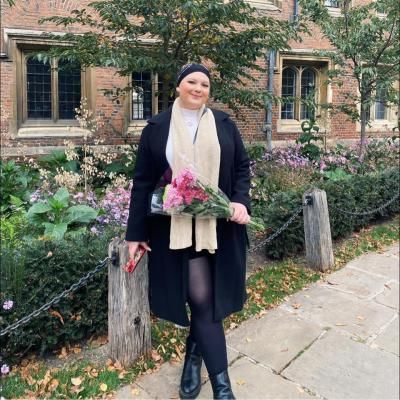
x=129 y=331
x=317 y=230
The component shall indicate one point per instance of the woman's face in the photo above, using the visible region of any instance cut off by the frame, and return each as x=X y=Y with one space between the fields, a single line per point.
x=194 y=90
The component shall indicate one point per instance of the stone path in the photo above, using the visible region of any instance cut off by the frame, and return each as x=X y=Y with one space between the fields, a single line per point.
x=337 y=339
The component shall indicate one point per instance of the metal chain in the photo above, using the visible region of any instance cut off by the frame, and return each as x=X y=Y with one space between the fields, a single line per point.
x=369 y=211
x=281 y=229
x=55 y=300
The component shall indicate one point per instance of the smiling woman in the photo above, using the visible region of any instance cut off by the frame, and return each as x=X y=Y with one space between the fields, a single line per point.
x=201 y=261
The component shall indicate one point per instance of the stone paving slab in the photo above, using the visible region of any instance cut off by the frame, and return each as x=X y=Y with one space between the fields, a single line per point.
x=393 y=249
x=385 y=264
x=389 y=338
x=356 y=282
x=254 y=381
x=275 y=339
x=163 y=383
x=132 y=392
x=337 y=367
x=390 y=295
x=343 y=311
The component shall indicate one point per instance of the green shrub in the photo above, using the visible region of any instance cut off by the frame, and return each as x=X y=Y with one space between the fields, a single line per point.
x=45 y=269
x=357 y=193
x=16 y=181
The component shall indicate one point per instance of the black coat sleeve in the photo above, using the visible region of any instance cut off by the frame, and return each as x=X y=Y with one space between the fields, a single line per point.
x=241 y=186
x=143 y=184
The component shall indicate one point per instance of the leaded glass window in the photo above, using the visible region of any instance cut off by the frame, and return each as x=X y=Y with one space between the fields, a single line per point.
x=307 y=89
x=380 y=105
x=288 y=90
x=147 y=95
x=142 y=95
x=53 y=89
x=38 y=89
x=332 y=3
x=69 y=89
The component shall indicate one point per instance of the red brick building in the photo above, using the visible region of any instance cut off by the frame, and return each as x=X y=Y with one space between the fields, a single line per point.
x=38 y=101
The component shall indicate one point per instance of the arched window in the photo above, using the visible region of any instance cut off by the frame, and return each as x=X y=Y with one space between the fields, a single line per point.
x=288 y=90
x=298 y=81
x=307 y=90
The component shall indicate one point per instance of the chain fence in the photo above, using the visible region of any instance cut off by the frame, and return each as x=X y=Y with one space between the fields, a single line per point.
x=368 y=212
x=82 y=281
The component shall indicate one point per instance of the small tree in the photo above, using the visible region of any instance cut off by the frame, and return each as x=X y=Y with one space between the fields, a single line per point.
x=366 y=47
x=161 y=36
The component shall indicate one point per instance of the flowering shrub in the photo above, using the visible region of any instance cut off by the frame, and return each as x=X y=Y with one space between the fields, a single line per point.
x=115 y=204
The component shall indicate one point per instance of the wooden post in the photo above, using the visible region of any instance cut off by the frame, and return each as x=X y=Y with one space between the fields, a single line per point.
x=317 y=231
x=129 y=331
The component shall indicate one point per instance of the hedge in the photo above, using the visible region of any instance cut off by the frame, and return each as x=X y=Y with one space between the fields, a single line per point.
x=356 y=194
x=34 y=274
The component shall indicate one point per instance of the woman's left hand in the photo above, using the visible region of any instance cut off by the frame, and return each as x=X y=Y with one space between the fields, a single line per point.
x=240 y=214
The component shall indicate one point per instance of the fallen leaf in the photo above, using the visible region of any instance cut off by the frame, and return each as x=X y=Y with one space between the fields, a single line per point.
x=53 y=385
x=240 y=382
x=155 y=356
x=248 y=340
x=76 y=389
x=296 y=305
x=63 y=353
x=118 y=365
x=135 y=391
x=121 y=375
x=77 y=381
x=103 y=387
x=56 y=314
x=361 y=317
x=233 y=325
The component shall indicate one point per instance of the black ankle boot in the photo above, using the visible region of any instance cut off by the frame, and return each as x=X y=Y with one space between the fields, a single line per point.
x=221 y=386
x=191 y=378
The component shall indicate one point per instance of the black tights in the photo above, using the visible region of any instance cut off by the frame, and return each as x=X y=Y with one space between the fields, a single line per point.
x=208 y=334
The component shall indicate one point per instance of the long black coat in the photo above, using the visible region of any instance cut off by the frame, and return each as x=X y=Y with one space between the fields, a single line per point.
x=168 y=269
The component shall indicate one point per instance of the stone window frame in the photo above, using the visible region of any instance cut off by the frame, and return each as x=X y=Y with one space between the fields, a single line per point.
x=271 y=5
x=319 y=65
x=19 y=43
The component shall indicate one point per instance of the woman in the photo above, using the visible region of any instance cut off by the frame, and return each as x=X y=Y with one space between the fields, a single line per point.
x=201 y=262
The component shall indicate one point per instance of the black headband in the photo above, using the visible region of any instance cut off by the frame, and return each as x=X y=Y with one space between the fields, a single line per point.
x=188 y=69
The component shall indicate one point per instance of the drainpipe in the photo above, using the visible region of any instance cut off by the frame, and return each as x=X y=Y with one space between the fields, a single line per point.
x=270 y=58
x=295 y=10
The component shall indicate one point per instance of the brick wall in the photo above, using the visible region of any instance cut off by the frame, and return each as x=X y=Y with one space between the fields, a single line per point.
x=25 y=15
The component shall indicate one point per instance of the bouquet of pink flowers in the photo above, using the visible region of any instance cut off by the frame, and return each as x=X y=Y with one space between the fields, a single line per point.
x=188 y=195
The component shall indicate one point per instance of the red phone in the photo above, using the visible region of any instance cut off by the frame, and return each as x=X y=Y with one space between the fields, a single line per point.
x=132 y=264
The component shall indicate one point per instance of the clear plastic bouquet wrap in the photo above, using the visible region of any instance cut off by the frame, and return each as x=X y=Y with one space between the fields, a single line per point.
x=188 y=195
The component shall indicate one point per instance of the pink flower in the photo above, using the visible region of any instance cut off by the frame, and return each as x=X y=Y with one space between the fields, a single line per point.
x=5 y=369
x=173 y=198
x=184 y=180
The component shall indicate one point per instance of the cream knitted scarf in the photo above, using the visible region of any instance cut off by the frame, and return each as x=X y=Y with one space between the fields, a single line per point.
x=204 y=156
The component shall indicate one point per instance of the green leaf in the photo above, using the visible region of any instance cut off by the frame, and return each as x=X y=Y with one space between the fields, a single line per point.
x=81 y=213
x=16 y=201
x=38 y=208
x=62 y=196
x=55 y=231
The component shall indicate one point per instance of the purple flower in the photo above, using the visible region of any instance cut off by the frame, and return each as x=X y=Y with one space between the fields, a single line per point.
x=94 y=230
x=8 y=305
x=5 y=369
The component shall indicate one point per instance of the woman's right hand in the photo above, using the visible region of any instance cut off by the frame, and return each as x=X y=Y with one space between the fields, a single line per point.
x=134 y=246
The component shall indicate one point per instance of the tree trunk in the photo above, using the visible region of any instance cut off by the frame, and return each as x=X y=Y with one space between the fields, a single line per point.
x=363 y=123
